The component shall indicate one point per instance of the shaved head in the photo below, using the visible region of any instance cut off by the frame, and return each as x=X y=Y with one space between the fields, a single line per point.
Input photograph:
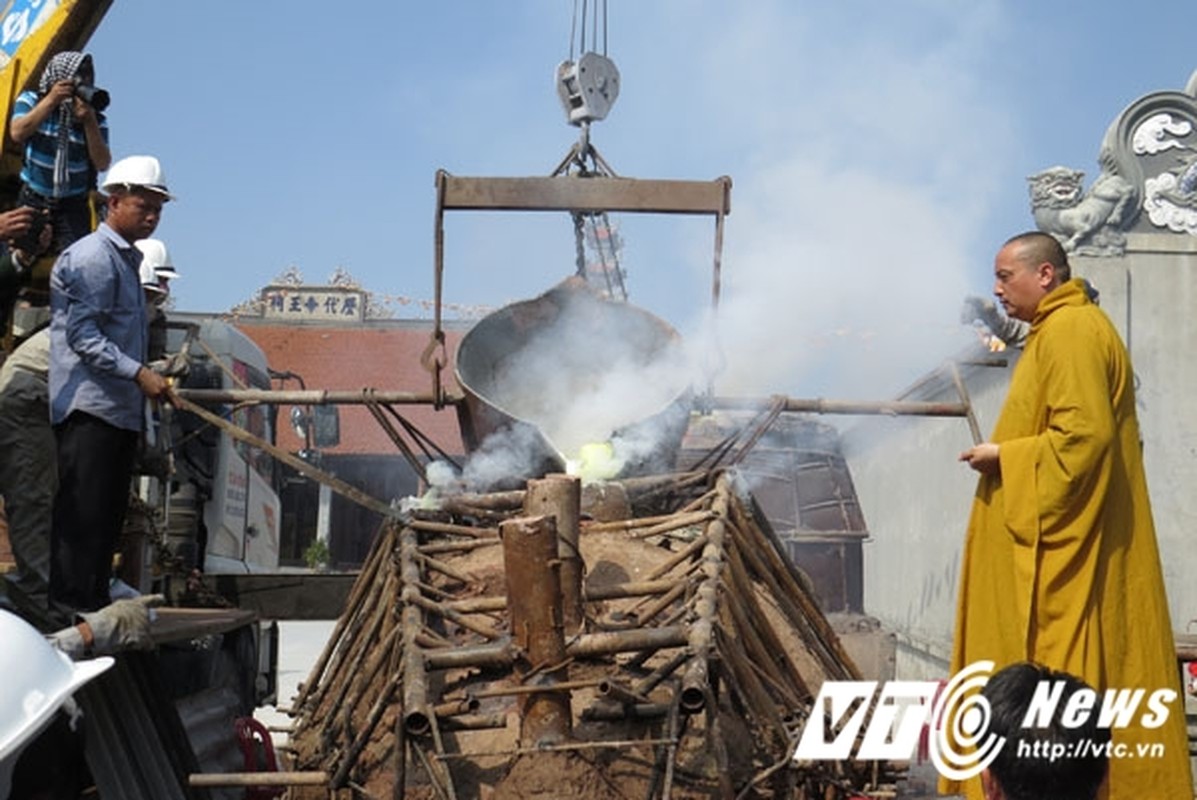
x=1035 y=247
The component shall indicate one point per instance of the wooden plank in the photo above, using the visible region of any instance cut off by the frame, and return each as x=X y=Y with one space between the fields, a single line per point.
x=286 y=596
x=591 y=194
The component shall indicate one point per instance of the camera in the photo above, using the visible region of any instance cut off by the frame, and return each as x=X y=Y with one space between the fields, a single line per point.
x=94 y=97
x=30 y=242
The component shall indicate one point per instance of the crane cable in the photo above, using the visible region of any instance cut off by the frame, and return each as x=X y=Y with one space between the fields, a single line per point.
x=603 y=245
x=594 y=25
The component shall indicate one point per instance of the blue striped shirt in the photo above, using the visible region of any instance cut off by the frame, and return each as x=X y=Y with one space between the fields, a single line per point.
x=97 y=330
x=38 y=169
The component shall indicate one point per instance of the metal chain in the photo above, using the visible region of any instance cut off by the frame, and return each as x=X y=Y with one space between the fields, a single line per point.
x=579 y=245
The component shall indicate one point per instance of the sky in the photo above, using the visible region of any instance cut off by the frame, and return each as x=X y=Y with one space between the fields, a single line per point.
x=878 y=151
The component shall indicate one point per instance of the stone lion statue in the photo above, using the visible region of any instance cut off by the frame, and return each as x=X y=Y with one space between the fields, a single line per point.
x=1063 y=209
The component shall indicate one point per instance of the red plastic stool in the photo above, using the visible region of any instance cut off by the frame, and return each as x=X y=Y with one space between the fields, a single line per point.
x=258 y=751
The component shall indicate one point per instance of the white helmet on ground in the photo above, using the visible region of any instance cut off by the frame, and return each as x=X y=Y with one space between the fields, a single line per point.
x=154 y=253
x=143 y=171
x=38 y=679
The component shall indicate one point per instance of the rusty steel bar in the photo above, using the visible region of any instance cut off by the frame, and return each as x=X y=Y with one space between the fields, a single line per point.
x=213 y=780
x=455 y=708
x=429 y=526
x=378 y=555
x=485 y=631
x=363 y=736
x=560 y=496
x=601 y=744
x=807 y=618
x=298 y=464
x=679 y=521
x=821 y=406
x=534 y=600
x=512 y=691
x=445 y=569
x=611 y=642
x=457 y=547
x=651 y=680
x=612 y=712
x=614 y=690
x=594 y=193
x=496 y=655
x=660 y=604
x=695 y=679
x=973 y=426
x=474 y=722
x=415 y=680
x=685 y=553
x=623 y=524
x=588 y=645
x=492 y=603
x=307 y=397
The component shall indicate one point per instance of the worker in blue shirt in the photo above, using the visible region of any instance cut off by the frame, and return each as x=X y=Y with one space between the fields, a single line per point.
x=98 y=377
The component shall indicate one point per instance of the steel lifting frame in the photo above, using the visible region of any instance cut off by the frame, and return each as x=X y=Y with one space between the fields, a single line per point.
x=575 y=194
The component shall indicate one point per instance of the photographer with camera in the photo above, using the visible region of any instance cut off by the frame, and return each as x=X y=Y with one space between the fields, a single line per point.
x=66 y=144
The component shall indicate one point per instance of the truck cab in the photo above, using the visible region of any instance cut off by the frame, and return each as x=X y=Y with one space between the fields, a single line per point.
x=222 y=507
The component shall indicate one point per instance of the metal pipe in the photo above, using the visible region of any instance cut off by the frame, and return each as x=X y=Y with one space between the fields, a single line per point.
x=458 y=618
x=415 y=678
x=695 y=679
x=455 y=708
x=534 y=600
x=611 y=642
x=650 y=681
x=615 y=591
x=474 y=722
x=498 y=655
x=308 y=397
x=821 y=406
x=454 y=530
x=212 y=780
x=610 y=712
x=974 y=427
x=613 y=690
x=588 y=645
x=679 y=521
x=560 y=496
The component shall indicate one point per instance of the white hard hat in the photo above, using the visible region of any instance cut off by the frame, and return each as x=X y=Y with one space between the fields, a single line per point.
x=143 y=171
x=149 y=278
x=38 y=679
x=154 y=253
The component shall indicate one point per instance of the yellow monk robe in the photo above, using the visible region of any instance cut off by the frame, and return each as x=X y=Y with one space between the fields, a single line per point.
x=1060 y=562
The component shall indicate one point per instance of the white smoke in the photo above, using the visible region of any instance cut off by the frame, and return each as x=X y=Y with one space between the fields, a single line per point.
x=594 y=371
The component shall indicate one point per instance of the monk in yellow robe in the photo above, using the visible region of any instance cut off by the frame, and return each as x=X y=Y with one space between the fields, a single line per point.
x=1060 y=564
